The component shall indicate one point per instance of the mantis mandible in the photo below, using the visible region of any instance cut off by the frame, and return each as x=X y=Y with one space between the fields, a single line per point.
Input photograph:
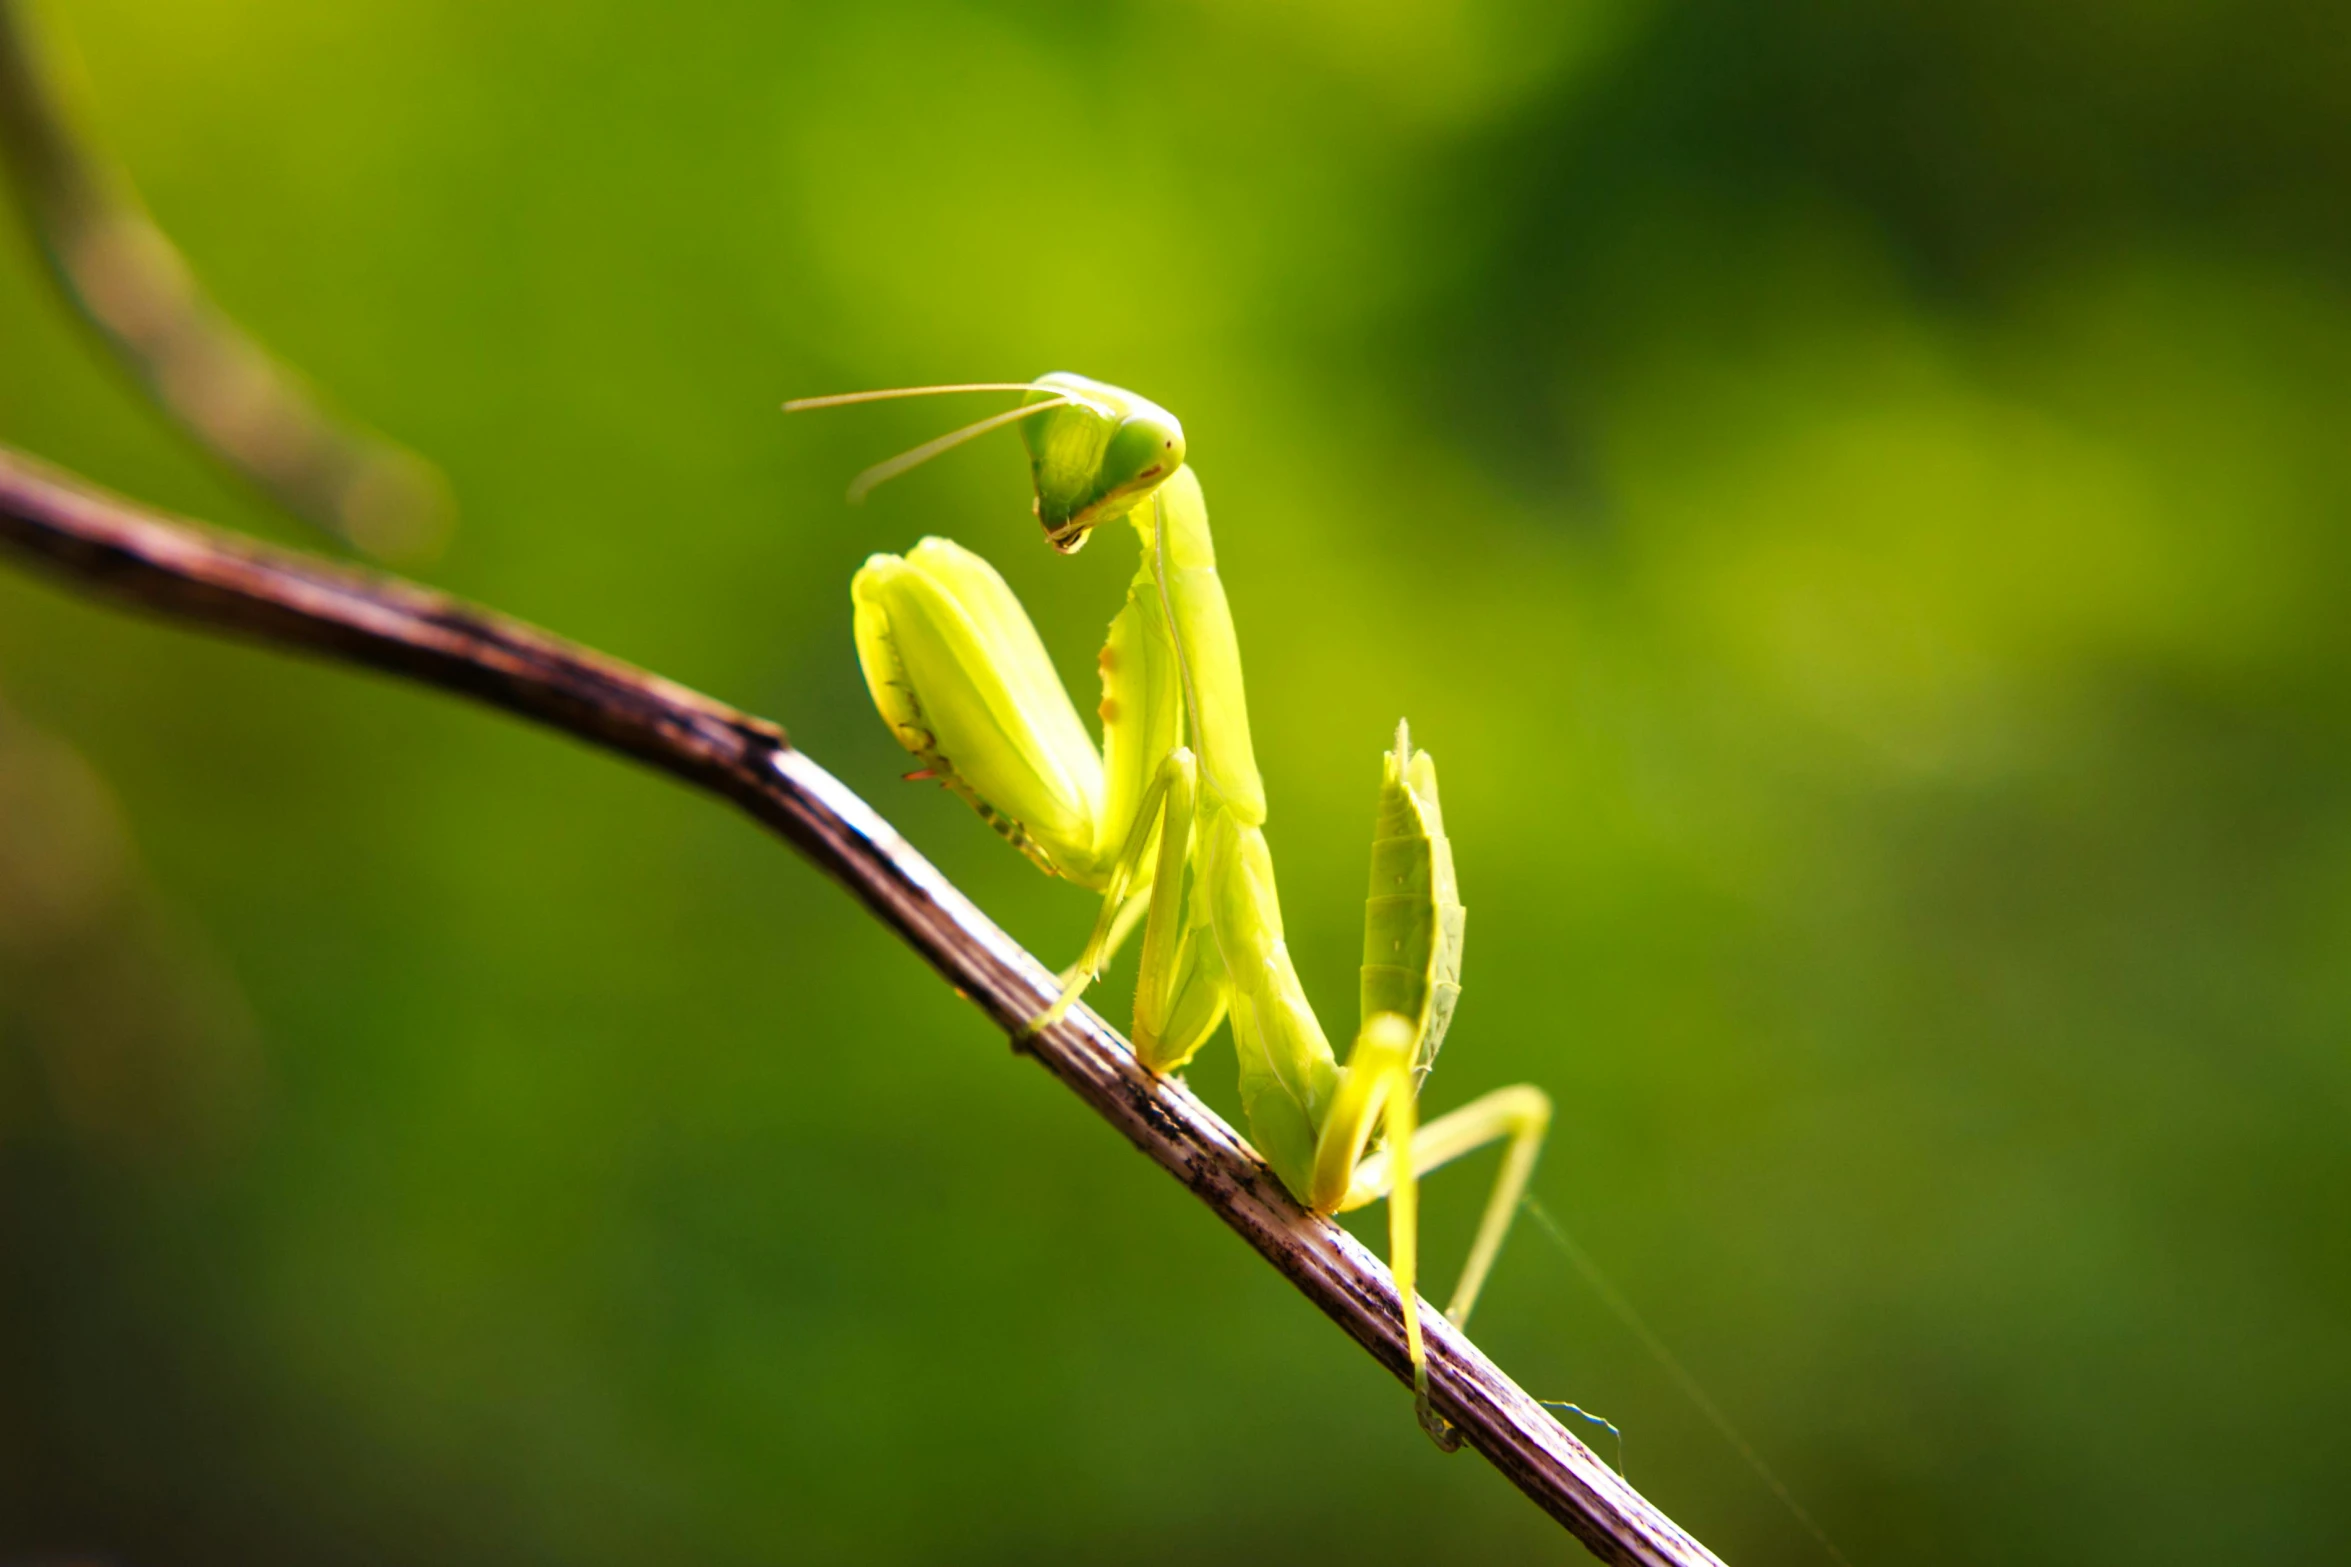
x=1167 y=822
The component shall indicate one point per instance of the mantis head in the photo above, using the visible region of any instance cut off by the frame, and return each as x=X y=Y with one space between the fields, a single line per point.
x=1095 y=450
x=1098 y=454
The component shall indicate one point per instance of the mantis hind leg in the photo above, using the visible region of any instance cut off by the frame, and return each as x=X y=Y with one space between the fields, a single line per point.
x=1379 y=1085
x=1521 y=1116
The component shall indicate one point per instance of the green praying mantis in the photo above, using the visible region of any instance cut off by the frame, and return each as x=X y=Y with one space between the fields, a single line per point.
x=1166 y=821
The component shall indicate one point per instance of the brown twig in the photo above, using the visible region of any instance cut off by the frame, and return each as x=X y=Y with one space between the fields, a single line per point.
x=111 y=547
x=126 y=277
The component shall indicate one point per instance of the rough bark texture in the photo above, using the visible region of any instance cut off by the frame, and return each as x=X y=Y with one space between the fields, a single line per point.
x=115 y=549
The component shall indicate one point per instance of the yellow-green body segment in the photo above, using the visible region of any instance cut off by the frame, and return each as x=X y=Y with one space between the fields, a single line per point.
x=1165 y=819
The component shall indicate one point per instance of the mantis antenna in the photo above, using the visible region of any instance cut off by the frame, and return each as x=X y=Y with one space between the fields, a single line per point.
x=844 y=399
x=883 y=472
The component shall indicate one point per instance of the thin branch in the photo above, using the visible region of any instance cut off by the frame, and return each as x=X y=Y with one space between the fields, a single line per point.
x=115 y=549
x=244 y=407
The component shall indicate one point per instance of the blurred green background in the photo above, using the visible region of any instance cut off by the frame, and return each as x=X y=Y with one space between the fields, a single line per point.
x=1854 y=496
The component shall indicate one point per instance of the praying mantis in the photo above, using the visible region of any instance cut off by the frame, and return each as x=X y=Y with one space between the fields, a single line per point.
x=1166 y=821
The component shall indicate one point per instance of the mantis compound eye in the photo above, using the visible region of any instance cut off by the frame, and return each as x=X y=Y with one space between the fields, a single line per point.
x=1142 y=452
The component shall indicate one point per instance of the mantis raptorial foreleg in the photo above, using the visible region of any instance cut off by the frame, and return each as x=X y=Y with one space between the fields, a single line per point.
x=1166 y=823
